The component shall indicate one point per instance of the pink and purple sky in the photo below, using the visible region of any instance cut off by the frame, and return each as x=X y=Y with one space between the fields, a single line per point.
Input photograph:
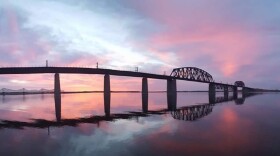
x=230 y=39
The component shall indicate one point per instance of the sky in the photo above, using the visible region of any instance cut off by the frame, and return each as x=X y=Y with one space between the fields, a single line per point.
x=230 y=39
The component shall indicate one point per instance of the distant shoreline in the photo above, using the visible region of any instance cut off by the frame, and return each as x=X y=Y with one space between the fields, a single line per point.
x=79 y=92
x=131 y=91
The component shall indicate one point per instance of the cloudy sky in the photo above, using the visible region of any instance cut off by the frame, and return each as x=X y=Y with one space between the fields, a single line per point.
x=231 y=39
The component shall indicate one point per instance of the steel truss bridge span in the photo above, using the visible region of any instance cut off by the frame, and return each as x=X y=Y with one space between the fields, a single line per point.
x=192 y=74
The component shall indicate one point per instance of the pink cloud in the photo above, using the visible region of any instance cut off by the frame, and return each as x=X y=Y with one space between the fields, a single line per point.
x=226 y=47
x=192 y=30
x=19 y=46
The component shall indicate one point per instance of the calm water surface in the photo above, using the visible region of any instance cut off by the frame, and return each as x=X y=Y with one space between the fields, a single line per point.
x=29 y=125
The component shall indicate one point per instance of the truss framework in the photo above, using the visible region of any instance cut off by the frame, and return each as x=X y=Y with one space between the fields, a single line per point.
x=239 y=84
x=192 y=73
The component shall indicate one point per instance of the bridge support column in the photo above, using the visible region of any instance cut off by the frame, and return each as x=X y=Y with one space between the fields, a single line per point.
x=107 y=94
x=56 y=83
x=145 y=95
x=226 y=92
x=245 y=91
x=212 y=93
x=57 y=97
x=235 y=92
x=171 y=94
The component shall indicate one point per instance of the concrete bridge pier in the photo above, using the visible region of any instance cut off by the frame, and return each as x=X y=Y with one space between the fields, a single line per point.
x=107 y=94
x=57 y=97
x=235 y=92
x=245 y=90
x=212 y=93
x=57 y=90
x=145 y=95
x=171 y=94
x=226 y=92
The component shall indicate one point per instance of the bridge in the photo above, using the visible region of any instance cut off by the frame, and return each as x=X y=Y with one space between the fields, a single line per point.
x=185 y=73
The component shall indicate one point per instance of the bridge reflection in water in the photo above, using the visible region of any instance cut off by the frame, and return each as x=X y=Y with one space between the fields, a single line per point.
x=187 y=113
x=192 y=113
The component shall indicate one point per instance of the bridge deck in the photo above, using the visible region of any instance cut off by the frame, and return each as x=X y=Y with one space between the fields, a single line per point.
x=81 y=70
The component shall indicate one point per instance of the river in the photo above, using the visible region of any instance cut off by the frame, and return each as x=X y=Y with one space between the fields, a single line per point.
x=36 y=125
